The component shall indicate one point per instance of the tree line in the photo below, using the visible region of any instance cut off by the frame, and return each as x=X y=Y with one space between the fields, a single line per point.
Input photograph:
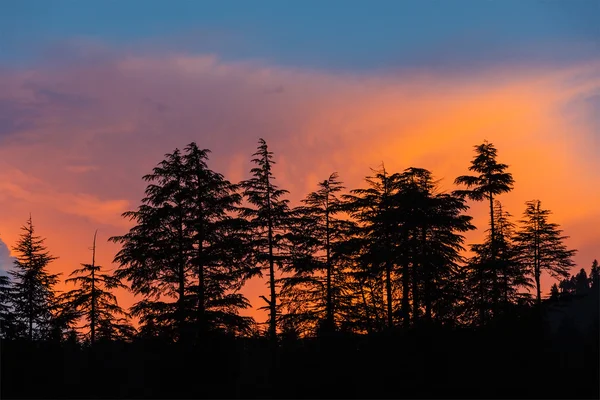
x=385 y=257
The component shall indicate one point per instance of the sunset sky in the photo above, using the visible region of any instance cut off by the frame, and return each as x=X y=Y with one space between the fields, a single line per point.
x=93 y=94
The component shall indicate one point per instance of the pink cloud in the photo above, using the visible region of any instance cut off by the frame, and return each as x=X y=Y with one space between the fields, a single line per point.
x=76 y=139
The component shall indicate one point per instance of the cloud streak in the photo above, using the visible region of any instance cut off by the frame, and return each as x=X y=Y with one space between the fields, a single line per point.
x=77 y=138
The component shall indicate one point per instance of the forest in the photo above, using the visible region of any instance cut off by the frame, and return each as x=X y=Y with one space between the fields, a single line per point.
x=370 y=292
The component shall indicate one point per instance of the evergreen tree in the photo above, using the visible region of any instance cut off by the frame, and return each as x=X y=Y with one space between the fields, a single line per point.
x=491 y=180
x=582 y=284
x=33 y=294
x=94 y=301
x=435 y=222
x=595 y=275
x=315 y=276
x=541 y=245
x=154 y=252
x=9 y=325
x=220 y=247
x=267 y=215
x=554 y=292
x=186 y=251
x=374 y=210
x=510 y=273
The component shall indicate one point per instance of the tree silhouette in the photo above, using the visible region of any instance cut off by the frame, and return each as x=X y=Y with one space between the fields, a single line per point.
x=492 y=180
x=313 y=291
x=582 y=284
x=187 y=246
x=541 y=246
x=95 y=302
x=554 y=292
x=220 y=247
x=32 y=285
x=267 y=216
x=595 y=275
x=154 y=252
x=9 y=325
x=374 y=210
x=435 y=222
x=512 y=275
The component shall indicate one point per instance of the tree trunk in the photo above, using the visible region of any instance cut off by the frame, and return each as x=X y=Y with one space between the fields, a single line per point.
x=272 y=302
x=388 y=289
x=415 y=291
x=493 y=265
x=181 y=278
x=93 y=308
x=405 y=294
x=426 y=274
x=329 y=306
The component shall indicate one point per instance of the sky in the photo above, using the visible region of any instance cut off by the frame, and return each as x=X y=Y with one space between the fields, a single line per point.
x=94 y=93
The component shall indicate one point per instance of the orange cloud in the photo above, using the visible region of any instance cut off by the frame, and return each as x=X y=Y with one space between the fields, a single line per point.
x=76 y=140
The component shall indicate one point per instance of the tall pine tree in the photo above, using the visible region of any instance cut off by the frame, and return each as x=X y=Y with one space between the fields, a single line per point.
x=491 y=180
x=267 y=214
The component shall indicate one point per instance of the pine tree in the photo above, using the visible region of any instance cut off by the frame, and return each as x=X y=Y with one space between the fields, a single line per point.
x=582 y=284
x=9 y=325
x=541 y=245
x=186 y=254
x=510 y=273
x=267 y=214
x=435 y=222
x=154 y=253
x=94 y=301
x=220 y=247
x=595 y=275
x=554 y=292
x=374 y=210
x=314 y=272
x=33 y=294
x=492 y=180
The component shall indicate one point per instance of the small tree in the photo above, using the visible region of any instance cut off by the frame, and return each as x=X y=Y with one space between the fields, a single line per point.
x=554 y=292
x=582 y=283
x=33 y=294
x=595 y=275
x=94 y=302
x=9 y=325
x=541 y=245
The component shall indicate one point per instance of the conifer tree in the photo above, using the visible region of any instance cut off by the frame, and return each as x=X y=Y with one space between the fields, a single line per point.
x=582 y=284
x=186 y=251
x=314 y=271
x=219 y=258
x=434 y=223
x=491 y=180
x=96 y=304
x=374 y=210
x=554 y=292
x=541 y=245
x=510 y=273
x=9 y=326
x=268 y=215
x=595 y=275
x=33 y=294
